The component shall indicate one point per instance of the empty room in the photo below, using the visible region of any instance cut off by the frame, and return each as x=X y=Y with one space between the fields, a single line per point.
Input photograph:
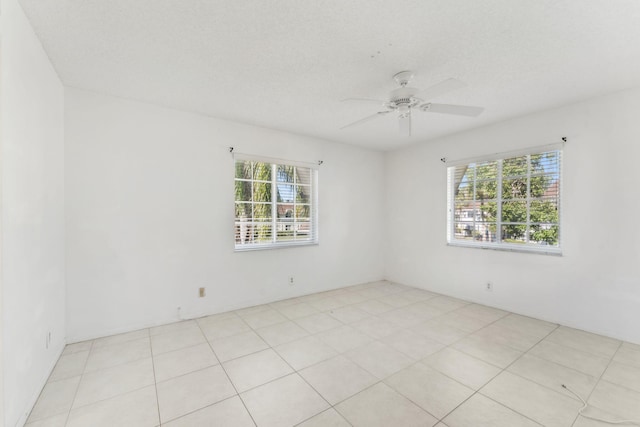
x=319 y=213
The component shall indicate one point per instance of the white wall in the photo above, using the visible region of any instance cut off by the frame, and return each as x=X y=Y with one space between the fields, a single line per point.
x=32 y=108
x=149 y=202
x=595 y=284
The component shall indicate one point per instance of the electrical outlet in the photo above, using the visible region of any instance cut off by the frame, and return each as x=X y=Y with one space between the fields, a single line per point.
x=291 y=281
x=203 y=292
x=489 y=287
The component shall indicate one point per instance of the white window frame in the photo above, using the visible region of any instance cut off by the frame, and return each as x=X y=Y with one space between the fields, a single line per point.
x=498 y=244
x=313 y=202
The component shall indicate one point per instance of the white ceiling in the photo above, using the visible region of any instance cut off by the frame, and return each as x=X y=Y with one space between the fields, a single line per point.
x=286 y=64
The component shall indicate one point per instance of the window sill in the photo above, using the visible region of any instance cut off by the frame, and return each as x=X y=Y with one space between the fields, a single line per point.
x=262 y=247
x=540 y=250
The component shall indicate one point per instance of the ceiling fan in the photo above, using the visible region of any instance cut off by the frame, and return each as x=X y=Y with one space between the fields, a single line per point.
x=405 y=99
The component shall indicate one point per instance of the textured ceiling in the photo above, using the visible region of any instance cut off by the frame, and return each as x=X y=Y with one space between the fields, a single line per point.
x=286 y=64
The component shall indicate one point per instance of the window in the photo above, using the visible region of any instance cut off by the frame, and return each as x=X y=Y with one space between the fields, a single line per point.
x=510 y=203
x=275 y=204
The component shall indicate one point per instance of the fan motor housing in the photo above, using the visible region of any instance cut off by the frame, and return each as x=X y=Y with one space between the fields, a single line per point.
x=403 y=96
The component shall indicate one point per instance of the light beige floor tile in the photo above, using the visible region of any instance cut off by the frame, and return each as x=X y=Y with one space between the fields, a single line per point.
x=108 y=356
x=228 y=413
x=425 y=311
x=121 y=338
x=228 y=348
x=413 y=345
x=348 y=314
x=256 y=369
x=429 y=389
x=282 y=333
x=326 y=304
x=496 y=354
x=373 y=292
x=552 y=375
x=318 y=323
x=374 y=306
x=628 y=355
x=174 y=327
x=328 y=418
x=224 y=328
x=403 y=317
x=587 y=363
x=397 y=300
x=585 y=341
x=298 y=310
x=375 y=327
x=527 y=325
x=465 y=369
x=604 y=419
x=351 y=298
x=244 y=312
x=289 y=301
x=264 y=318
x=337 y=378
x=418 y=295
x=381 y=406
x=462 y=322
x=616 y=400
x=446 y=303
x=438 y=332
x=56 y=398
x=77 y=347
x=305 y=352
x=480 y=411
x=284 y=402
x=55 y=421
x=136 y=409
x=505 y=336
x=187 y=393
x=171 y=341
x=379 y=359
x=532 y=400
x=183 y=361
x=344 y=338
x=482 y=312
x=391 y=288
x=624 y=375
x=216 y=318
x=70 y=365
x=106 y=383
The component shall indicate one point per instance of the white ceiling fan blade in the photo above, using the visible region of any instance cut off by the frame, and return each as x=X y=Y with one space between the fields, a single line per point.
x=439 y=89
x=404 y=122
x=459 y=110
x=366 y=119
x=367 y=100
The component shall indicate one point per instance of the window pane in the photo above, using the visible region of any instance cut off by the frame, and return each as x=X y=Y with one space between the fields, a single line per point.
x=262 y=171
x=261 y=192
x=487 y=211
x=514 y=211
x=487 y=170
x=303 y=194
x=544 y=210
x=285 y=231
x=243 y=191
x=244 y=212
x=514 y=233
x=243 y=169
x=486 y=190
x=545 y=185
x=548 y=162
x=464 y=191
x=515 y=188
x=302 y=211
x=262 y=211
x=303 y=176
x=285 y=210
x=544 y=234
x=262 y=233
x=516 y=166
x=285 y=173
x=286 y=192
x=463 y=230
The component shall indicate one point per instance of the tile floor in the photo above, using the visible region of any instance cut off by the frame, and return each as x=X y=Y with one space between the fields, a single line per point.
x=377 y=354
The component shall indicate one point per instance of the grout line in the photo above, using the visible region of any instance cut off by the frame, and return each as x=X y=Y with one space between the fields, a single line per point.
x=155 y=381
x=79 y=382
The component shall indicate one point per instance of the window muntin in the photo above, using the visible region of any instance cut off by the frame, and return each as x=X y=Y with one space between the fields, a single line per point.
x=509 y=203
x=275 y=204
